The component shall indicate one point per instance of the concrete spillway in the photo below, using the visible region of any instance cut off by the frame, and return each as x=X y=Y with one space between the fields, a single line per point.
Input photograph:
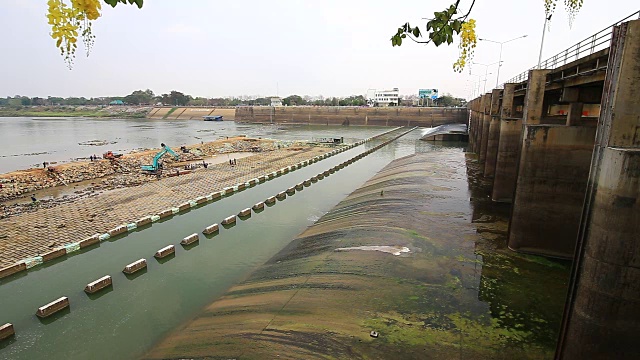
x=448 y=132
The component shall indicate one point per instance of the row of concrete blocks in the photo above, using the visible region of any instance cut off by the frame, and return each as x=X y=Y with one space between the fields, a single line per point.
x=29 y=263
x=7 y=330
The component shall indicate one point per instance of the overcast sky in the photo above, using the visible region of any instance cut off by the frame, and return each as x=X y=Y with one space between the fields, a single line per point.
x=231 y=48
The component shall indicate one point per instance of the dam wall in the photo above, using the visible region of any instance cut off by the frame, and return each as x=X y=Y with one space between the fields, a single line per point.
x=190 y=113
x=573 y=179
x=362 y=116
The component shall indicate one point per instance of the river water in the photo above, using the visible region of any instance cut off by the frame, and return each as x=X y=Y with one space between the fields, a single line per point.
x=127 y=320
x=27 y=142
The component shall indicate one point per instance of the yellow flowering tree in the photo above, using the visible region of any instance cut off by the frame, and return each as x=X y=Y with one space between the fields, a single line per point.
x=72 y=19
x=449 y=23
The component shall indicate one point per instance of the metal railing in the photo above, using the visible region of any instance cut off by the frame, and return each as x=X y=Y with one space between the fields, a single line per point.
x=588 y=46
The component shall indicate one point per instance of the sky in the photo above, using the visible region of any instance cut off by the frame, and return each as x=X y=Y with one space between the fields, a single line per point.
x=280 y=47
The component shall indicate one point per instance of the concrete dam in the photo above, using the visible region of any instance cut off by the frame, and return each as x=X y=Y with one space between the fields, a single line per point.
x=321 y=115
x=562 y=144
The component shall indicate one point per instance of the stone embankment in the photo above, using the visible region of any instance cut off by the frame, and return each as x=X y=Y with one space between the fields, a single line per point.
x=38 y=231
x=22 y=183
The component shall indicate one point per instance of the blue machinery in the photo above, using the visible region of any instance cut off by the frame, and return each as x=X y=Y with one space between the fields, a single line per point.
x=153 y=168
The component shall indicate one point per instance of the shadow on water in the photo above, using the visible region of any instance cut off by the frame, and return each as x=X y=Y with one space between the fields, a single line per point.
x=212 y=235
x=8 y=341
x=166 y=258
x=50 y=319
x=190 y=246
x=100 y=293
x=136 y=274
x=245 y=217
x=229 y=226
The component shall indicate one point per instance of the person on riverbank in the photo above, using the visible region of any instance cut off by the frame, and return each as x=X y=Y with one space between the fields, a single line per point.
x=44 y=164
x=33 y=199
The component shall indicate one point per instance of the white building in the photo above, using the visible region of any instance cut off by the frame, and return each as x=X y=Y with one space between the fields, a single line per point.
x=383 y=97
x=276 y=101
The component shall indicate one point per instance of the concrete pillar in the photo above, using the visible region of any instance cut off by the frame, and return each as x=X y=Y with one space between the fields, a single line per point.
x=575 y=114
x=534 y=100
x=504 y=181
x=550 y=188
x=602 y=316
x=493 y=138
x=471 y=125
x=484 y=124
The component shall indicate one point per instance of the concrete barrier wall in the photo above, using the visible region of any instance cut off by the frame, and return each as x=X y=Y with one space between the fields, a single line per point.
x=190 y=113
x=393 y=116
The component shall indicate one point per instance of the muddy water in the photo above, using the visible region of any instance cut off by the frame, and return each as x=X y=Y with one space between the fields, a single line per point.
x=126 y=321
x=27 y=142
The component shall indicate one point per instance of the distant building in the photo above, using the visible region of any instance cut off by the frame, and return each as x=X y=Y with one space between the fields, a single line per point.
x=383 y=97
x=276 y=101
x=116 y=102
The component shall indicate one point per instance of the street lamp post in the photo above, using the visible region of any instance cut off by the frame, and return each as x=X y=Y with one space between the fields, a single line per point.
x=500 y=59
x=544 y=30
x=486 y=72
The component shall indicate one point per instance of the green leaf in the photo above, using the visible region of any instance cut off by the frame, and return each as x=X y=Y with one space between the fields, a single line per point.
x=416 y=32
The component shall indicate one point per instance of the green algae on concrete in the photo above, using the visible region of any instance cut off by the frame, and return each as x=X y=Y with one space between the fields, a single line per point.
x=457 y=293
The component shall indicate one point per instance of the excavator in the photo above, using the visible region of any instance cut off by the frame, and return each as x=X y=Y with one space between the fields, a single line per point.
x=156 y=167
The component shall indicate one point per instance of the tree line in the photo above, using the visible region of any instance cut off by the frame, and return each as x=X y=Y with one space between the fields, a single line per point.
x=177 y=98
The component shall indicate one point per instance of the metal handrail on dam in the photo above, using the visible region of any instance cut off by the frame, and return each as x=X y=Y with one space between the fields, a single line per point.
x=588 y=46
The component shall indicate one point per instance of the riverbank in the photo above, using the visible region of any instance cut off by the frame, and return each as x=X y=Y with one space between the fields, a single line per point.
x=122 y=172
x=49 y=225
x=416 y=255
x=134 y=112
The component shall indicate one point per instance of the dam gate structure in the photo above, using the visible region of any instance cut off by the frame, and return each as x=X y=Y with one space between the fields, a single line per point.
x=561 y=143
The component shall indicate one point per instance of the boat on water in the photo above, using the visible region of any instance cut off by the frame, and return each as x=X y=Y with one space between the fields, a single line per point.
x=212 y=118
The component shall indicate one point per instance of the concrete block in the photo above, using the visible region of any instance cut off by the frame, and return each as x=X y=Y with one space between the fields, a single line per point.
x=53 y=307
x=211 y=229
x=165 y=213
x=94 y=239
x=320 y=176
x=131 y=226
x=281 y=195
x=313 y=179
x=165 y=251
x=229 y=220
x=291 y=190
x=175 y=210
x=258 y=206
x=216 y=195
x=228 y=190
x=332 y=170
x=201 y=200
x=270 y=200
x=97 y=285
x=54 y=254
x=135 y=266
x=117 y=230
x=326 y=172
x=155 y=218
x=241 y=186
x=299 y=186
x=261 y=178
x=245 y=212
x=190 y=239
x=10 y=270
x=143 y=221
x=6 y=331
x=72 y=247
x=252 y=182
x=307 y=182
x=184 y=206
